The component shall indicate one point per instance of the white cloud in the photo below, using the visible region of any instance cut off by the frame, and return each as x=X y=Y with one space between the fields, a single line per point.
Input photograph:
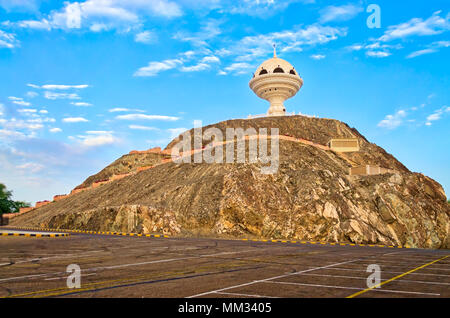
x=378 y=54
x=81 y=104
x=375 y=49
x=146 y=117
x=290 y=40
x=73 y=15
x=238 y=68
x=139 y=127
x=153 y=68
x=317 y=56
x=254 y=8
x=418 y=27
x=98 y=132
x=33 y=126
x=355 y=47
x=14 y=124
x=99 y=27
x=31 y=94
x=195 y=68
x=51 y=87
x=145 y=37
x=41 y=120
x=19 y=5
x=75 y=120
x=53 y=96
x=99 y=15
x=432 y=48
x=31 y=167
x=99 y=141
x=420 y=52
x=204 y=63
x=175 y=132
x=259 y=8
x=8 y=40
x=209 y=30
x=35 y=24
x=339 y=13
x=210 y=59
x=55 y=130
x=437 y=115
x=252 y=53
x=8 y=133
x=255 y=47
x=97 y=138
x=21 y=103
x=119 y=110
x=27 y=110
x=242 y=52
x=64 y=87
x=18 y=101
x=393 y=121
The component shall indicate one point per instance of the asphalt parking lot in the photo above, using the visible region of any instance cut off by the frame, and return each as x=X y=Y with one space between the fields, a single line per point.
x=123 y=266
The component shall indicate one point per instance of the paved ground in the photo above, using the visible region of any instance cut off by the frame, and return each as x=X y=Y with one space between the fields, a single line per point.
x=120 y=266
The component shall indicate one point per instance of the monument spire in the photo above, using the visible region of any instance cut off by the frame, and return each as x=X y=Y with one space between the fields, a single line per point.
x=276 y=80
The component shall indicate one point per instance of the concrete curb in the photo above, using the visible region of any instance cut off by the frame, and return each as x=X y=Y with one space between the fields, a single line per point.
x=33 y=234
x=323 y=243
x=92 y=232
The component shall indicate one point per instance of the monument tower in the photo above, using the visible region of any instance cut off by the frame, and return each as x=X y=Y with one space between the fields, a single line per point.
x=276 y=80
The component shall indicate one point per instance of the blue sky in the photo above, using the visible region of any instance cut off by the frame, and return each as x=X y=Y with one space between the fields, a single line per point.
x=82 y=83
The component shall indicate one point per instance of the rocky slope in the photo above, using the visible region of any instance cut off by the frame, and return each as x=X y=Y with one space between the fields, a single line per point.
x=125 y=164
x=311 y=197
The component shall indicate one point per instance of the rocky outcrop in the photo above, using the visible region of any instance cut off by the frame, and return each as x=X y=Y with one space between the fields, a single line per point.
x=311 y=197
x=126 y=218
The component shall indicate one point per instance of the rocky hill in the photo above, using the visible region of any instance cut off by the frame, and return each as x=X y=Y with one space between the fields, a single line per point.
x=311 y=197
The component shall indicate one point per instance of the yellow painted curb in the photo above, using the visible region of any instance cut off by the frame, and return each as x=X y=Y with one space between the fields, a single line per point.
x=33 y=234
x=83 y=231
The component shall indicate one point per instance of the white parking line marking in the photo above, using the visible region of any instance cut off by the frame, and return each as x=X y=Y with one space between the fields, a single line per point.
x=245 y=295
x=128 y=265
x=172 y=259
x=53 y=257
x=364 y=278
x=410 y=255
x=27 y=276
x=406 y=264
x=363 y=270
x=355 y=288
x=271 y=278
x=410 y=262
x=56 y=278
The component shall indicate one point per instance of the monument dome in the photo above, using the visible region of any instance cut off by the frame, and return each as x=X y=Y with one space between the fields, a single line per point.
x=276 y=80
